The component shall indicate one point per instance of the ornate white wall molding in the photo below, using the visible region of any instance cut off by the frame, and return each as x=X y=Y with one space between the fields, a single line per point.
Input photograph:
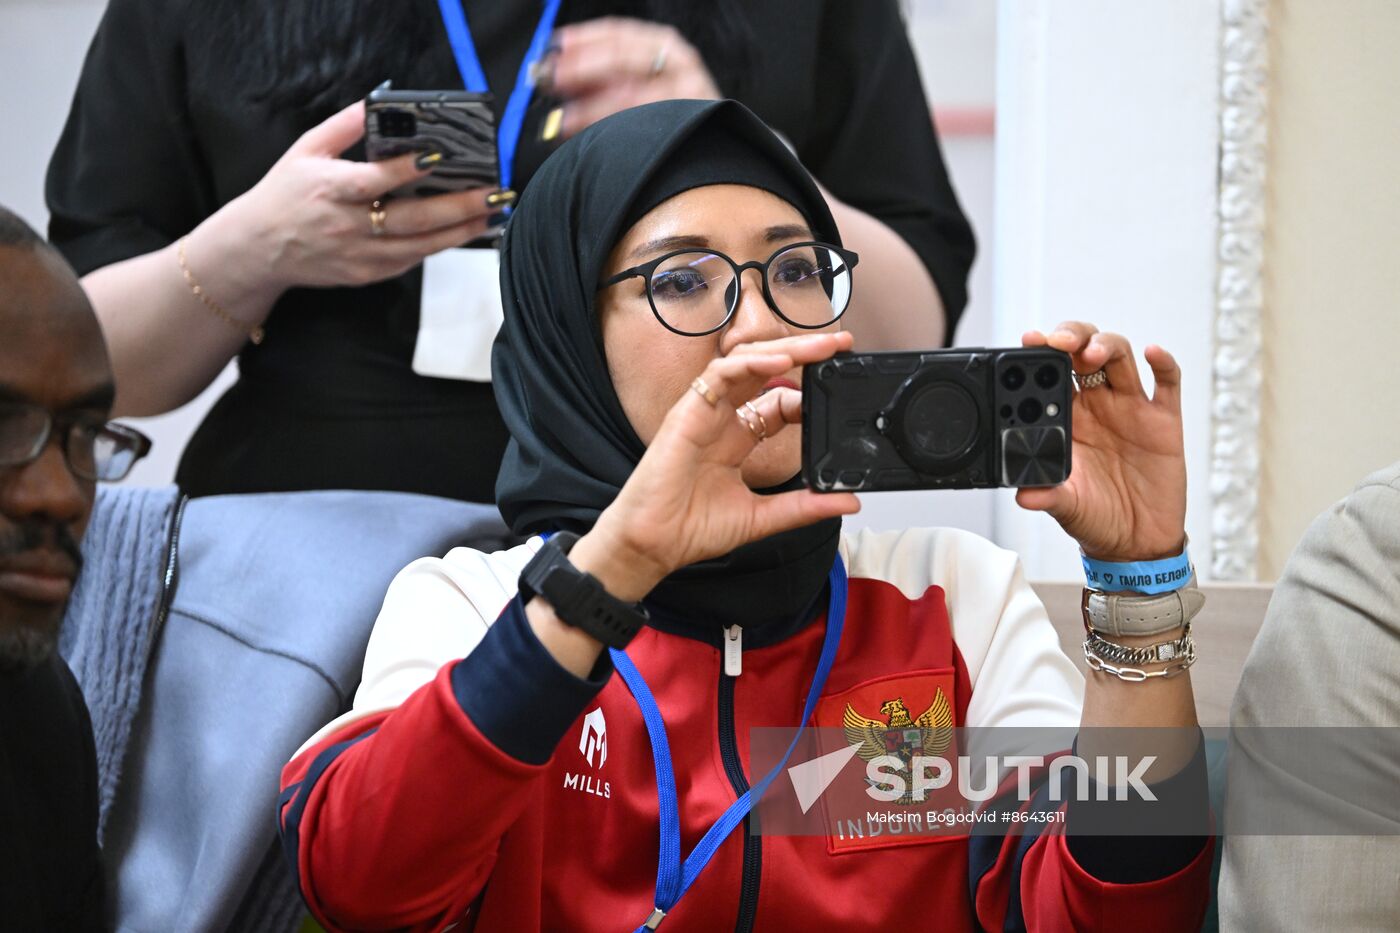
x=1107 y=207
x=1237 y=358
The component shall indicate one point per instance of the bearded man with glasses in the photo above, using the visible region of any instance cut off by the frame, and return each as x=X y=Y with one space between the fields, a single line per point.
x=56 y=393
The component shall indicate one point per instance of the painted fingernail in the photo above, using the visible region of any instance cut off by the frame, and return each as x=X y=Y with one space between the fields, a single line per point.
x=428 y=159
x=553 y=122
x=504 y=196
x=542 y=71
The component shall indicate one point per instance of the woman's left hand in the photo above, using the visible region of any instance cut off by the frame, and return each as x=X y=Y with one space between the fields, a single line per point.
x=1125 y=498
x=610 y=64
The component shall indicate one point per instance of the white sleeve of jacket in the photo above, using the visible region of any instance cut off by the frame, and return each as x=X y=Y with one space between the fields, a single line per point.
x=1019 y=675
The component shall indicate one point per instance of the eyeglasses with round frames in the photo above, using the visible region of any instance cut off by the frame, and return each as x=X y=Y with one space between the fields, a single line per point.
x=694 y=292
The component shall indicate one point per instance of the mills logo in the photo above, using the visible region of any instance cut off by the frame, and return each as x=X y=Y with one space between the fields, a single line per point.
x=594 y=740
x=593 y=745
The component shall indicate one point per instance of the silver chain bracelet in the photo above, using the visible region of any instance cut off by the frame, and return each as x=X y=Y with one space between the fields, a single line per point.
x=1159 y=653
x=1135 y=674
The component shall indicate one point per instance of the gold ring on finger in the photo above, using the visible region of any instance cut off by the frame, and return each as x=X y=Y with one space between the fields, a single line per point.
x=752 y=420
x=702 y=388
x=763 y=423
x=377 y=216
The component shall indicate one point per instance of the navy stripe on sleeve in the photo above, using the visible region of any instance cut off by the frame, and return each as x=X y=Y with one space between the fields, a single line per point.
x=1015 y=913
x=289 y=825
x=1159 y=845
x=991 y=842
x=517 y=695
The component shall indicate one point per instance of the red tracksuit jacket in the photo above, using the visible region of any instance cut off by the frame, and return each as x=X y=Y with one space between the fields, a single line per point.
x=476 y=784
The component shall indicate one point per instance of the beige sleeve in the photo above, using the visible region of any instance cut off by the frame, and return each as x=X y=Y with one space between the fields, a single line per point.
x=1328 y=654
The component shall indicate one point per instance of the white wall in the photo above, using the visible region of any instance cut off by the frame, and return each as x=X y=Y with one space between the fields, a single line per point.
x=42 y=43
x=955 y=41
x=1106 y=203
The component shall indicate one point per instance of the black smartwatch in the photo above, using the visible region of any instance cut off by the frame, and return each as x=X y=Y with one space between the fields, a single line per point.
x=578 y=598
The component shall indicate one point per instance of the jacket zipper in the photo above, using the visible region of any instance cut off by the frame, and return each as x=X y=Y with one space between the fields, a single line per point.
x=170 y=579
x=753 y=845
x=734 y=650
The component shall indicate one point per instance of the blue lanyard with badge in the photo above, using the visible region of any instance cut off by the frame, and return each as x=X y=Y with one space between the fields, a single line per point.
x=460 y=309
x=674 y=877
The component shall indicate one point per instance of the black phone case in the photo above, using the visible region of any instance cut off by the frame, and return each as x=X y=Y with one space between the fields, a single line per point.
x=939 y=419
x=458 y=124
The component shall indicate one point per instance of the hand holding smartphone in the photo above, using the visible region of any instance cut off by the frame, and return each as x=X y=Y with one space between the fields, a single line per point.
x=459 y=125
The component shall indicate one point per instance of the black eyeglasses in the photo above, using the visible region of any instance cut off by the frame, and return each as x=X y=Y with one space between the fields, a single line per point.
x=95 y=449
x=695 y=292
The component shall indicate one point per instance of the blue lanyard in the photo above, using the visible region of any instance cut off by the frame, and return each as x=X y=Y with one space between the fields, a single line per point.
x=673 y=878
x=454 y=17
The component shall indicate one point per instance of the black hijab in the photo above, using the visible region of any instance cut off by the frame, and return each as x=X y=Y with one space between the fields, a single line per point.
x=572 y=446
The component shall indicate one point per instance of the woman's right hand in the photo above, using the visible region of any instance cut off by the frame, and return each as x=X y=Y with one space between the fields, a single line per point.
x=307 y=222
x=687 y=500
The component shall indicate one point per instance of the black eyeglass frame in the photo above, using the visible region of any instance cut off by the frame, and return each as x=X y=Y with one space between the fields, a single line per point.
x=139 y=443
x=647 y=269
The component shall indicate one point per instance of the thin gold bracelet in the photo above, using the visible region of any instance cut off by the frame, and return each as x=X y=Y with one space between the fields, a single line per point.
x=255 y=334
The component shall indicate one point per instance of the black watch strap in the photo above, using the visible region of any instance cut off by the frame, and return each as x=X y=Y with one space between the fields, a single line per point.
x=578 y=598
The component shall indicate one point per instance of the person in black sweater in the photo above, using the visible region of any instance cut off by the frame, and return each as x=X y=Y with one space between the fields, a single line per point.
x=55 y=396
x=212 y=143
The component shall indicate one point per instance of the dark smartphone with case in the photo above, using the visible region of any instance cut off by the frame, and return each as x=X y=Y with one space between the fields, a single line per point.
x=937 y=419
x=459 y=124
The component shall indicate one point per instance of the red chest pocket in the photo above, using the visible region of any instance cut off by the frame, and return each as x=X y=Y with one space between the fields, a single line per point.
x=898 y=727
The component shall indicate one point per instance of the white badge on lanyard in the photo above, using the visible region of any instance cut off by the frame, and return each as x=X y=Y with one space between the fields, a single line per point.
x=461 y=307
x=459 y=314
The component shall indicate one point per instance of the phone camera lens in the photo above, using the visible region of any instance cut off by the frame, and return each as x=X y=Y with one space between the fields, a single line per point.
x=1006 y=411
x=1013 y=377
x=397 y=123
x=1047 y=376
x=1029 y=411
x=940 y=421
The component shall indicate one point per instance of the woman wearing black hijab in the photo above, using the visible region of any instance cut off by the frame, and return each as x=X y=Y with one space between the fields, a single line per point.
x=501 y=767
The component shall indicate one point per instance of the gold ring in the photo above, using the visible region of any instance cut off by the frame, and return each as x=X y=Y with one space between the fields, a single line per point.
x=702 y=388
x=762 y=423
x=1091 y=380
x=377 y=216
x=747 y=422
x=658 y=63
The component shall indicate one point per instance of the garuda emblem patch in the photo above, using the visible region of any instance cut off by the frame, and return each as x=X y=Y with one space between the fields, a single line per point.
x=901 y=736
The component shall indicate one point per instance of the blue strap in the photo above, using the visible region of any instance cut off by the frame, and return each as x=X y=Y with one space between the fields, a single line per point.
x=459 y=34
x=454 y=18
x=673 y=878
x=1142 y=576
x=668 y=873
